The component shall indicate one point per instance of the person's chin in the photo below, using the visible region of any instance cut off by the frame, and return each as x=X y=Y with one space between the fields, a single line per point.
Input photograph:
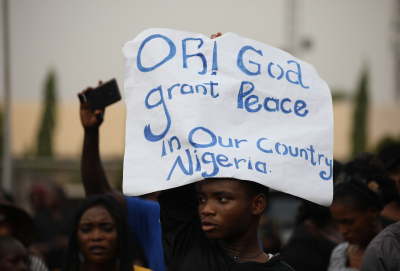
x=212 y=235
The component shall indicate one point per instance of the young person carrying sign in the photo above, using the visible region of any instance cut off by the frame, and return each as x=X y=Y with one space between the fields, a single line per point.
x=216 y=227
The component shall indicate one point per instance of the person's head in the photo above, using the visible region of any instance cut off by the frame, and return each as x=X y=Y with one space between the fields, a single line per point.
x=319 y=215
x=37 y=196
x=13 y=255
x=230 y=208
x=14 y=221
x=337 y=170
x=101 y=235
x=390 y=156
x=55 y=197
x=360 y=194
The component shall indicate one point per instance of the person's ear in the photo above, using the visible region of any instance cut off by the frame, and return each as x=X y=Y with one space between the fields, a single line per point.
x=259 y=203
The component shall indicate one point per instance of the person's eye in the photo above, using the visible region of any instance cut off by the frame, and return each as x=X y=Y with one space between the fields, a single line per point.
x=202 y=200
x=348 y=222
x=223 y=199
x=84 y=229
x=108 y=228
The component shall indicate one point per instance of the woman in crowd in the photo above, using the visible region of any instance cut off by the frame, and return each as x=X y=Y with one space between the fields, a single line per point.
x=360 y=194
x=100 y=240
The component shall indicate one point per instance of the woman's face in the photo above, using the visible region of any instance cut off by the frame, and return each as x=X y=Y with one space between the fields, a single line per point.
x=98 y=236
x=356 y=226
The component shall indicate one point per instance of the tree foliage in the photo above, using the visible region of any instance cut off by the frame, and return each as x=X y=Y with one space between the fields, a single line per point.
x=359 y=136
x=47 y=125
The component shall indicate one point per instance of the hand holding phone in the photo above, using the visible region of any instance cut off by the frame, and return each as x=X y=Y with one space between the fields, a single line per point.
x=92 y=114
x=104 y=95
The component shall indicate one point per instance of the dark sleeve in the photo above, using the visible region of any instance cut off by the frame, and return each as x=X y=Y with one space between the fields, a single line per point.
x=180 y=223
x=303 y=253
x=382 y=256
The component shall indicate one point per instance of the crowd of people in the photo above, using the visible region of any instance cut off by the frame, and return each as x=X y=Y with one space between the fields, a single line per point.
x=214 y=224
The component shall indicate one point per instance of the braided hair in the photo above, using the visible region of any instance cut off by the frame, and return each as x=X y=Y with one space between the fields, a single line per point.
x=71 y=259
x=365 y=183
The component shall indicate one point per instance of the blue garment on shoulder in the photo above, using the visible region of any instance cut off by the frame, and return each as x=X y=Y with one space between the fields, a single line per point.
x=144 y=221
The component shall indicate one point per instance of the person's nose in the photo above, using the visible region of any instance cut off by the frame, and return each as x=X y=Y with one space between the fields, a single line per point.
x=208 y=209
x=97 y=234
x=343 y=229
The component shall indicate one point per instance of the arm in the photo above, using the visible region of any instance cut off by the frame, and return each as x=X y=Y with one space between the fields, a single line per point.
x=382 y=255
x=93 y=176
x=180 y=222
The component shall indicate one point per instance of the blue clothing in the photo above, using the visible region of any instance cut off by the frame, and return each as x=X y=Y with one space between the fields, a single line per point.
x=144 y=221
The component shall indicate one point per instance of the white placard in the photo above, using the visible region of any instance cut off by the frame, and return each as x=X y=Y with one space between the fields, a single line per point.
x=227 y=107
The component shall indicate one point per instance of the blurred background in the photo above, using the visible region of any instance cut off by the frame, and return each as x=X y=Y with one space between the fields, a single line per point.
x=51 y=50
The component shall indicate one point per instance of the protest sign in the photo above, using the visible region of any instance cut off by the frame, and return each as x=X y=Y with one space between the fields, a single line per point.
x=226 y=107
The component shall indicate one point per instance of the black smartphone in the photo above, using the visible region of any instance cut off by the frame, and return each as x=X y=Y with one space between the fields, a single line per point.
x=104 y=95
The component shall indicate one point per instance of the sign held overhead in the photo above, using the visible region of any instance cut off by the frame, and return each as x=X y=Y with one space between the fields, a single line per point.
x=227 y=107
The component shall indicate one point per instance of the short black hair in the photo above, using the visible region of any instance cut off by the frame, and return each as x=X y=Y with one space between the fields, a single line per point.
x=319 y=215
x=254 y=189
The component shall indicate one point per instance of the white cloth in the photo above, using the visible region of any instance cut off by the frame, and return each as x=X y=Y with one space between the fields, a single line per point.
x=35 y=264
x=338 y=260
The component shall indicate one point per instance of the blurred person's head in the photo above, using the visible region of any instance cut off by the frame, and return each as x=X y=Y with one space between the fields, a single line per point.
x=230 y=208
x=13 y=255
x=390 y=156
x=319 y=215
x=337 y=170
x=55 y=197
x=37 y=196
x=360 y=194
x=101 y=235
x=14 y=221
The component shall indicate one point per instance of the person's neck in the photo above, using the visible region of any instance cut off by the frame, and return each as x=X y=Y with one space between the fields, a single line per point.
x=363 y=245
x=243 y=247
x=87 y=266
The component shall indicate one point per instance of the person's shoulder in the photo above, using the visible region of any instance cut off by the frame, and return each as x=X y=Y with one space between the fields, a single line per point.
x=391 y=231
x=136 y=201
x=139 y=268
x=388 y=239
x=305 y=234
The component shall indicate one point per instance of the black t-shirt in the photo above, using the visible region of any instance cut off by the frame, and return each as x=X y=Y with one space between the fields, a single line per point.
x=186 y=247
x=306 y=244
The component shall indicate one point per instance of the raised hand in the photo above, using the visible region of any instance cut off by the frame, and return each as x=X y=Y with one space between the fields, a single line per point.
x=213 y=36
x=90 y=120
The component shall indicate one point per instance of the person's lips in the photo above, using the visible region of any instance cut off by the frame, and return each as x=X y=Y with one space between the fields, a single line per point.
x=208 y=225
x=97 y=250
